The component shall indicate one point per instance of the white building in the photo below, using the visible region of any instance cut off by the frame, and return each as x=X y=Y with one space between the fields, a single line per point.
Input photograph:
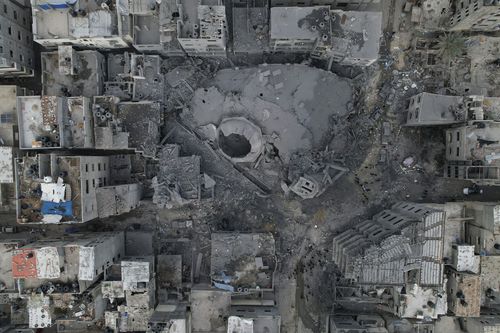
x=16 y=40
x=91 y=23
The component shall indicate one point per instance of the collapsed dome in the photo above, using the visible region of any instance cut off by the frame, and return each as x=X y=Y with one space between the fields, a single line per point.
x=239 y=139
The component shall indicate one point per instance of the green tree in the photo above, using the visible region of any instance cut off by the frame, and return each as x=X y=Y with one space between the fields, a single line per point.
x=451 y=45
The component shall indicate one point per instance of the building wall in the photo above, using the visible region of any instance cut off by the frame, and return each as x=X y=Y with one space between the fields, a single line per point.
x=468 y=285
x=99 y=254
x=473 y=15
x=8 y=115
x=292 y=45
x=94 y=172
x=340 y=4
x=16 y=40
x=456 y=144
x=206 y=47
x=484 y=324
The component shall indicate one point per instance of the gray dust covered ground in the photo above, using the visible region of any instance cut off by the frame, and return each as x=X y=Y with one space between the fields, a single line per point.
x=299 y=108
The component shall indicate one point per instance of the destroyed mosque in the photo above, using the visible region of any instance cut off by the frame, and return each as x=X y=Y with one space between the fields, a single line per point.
x=250 y=166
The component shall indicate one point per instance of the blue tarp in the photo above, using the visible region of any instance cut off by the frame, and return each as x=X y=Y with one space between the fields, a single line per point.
x=223 y=286
x=61 y=208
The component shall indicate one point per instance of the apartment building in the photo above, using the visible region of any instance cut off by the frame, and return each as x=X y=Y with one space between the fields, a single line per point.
x=346 y=37
x=63 y=189
x=16 y=40
x=85 y=23
x=475 y=15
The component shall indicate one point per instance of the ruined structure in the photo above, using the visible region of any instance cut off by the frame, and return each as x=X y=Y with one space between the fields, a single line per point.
x=426 y=109
x=130 y=289
x=471 y=153
x=348 y=38
x=179 y=179
x=248 y=267
x=400 y=250
x=67 y=72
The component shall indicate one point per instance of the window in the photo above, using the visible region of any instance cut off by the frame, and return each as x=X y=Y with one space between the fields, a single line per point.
x=9 y=30
x=11 y=53
x=104 y=181
x=458 y=136
x=98 y=166
x=15 y=15
x=5 y=9
x=93 y=183
x=7 y=118
x=19 y=35
x=87 y=186
x=458 y=151
x=93 y=167
x=86 y=168
x=104 y=166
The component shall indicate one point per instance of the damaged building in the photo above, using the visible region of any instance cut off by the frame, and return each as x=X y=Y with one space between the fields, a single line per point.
x=426 y=109
x=248 y=267
x=58 y=277
x=117 y=125
x=130 y=292
x=472 y=153
x=471 y=139
x=17 y=58
x=68 y=72
x=401 y=250
x=55 y=188
x=204 y=30
x=252 y=37
x=90 y=24
x=177 y=28
x=135 y=77
x=180 y=180
x=344 y=37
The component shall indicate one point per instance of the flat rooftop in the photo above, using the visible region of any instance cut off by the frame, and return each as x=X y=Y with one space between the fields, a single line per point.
x=299 y=22
x=90 y=20
x=209 y=308
x=88 y=80
x=142 y=120
x=357 y=34
x=250 y=29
